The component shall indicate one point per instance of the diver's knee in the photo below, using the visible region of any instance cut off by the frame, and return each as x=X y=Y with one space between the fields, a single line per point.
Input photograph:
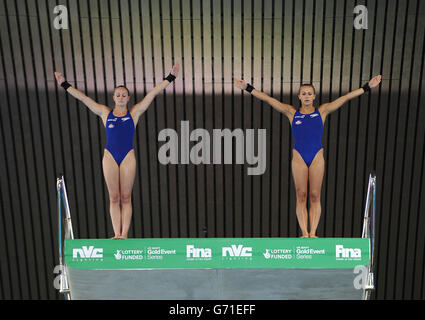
x=314 y=196
x=114 y=197
x=301 y=195
x=125 y=197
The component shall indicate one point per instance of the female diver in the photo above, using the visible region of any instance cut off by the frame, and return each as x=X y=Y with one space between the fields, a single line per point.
x=308 y=164
x=119 y=161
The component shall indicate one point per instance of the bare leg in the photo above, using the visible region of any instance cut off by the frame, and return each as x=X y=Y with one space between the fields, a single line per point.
x=300 y=175
x=315 y=172
x=111 y=173
x=127 y=174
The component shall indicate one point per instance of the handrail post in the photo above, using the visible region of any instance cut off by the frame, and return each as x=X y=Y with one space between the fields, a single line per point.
x=69 y=234
x=366 y=233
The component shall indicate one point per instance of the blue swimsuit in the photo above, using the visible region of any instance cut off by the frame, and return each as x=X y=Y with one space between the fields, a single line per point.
x=307 y=130
x=119 y=135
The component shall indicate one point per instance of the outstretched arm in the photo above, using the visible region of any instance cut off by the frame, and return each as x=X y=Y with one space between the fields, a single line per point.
x=141 y=107
x=286 y=109
x=330 y=107
x=95 y=107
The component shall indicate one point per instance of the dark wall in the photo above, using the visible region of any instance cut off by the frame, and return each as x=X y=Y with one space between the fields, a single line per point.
x=275 y=45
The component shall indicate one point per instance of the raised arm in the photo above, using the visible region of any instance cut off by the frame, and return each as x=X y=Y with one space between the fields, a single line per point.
x=95 y=107
x=330 y=107
x=141 y=106
x=286 y=109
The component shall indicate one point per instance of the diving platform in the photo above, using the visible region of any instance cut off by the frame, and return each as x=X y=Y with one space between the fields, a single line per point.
x=217 y=268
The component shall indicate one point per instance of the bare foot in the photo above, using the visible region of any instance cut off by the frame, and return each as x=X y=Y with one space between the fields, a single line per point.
x=122 y=237
x=313 y=236
x=304 y=237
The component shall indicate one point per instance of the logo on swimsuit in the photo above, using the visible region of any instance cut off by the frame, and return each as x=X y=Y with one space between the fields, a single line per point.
x=298 y=122
x=111 y=126
x=313 y=115
x=300 y=116
x=113 y=119
x=125 y=119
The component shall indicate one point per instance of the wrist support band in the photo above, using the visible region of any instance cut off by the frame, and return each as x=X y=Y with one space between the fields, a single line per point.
x=170 y=78
x=366 y=87
x=249 y=88
x=65 y=85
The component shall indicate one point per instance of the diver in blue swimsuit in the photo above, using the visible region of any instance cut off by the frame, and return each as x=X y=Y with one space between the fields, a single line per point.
x=119 y=135
x=307 y=131
x=308 y=164
x=119 y=161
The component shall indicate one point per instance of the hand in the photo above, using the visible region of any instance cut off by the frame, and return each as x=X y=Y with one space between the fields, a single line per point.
x=175 y=70
x=375 y=81
x=240 y=84
x=59 y=77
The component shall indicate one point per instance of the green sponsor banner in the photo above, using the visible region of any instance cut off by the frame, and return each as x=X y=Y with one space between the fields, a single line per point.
x=217 y=253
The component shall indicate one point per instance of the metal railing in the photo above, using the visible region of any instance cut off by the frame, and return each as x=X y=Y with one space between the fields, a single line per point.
x=68 y=234
x=369 y=232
